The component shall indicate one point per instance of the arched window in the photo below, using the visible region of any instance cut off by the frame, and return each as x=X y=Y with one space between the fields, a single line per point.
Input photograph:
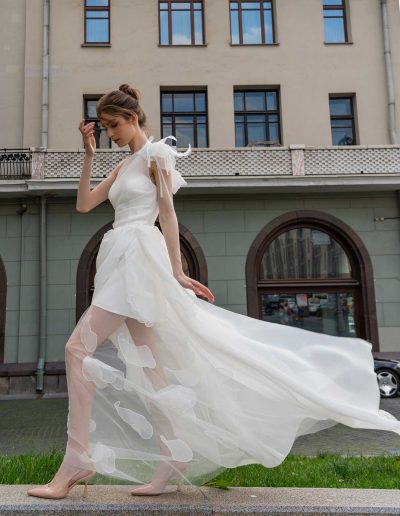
x=193 y=261
x=310 y=270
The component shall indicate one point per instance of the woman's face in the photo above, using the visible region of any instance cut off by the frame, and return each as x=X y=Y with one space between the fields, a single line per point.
x=120 y=130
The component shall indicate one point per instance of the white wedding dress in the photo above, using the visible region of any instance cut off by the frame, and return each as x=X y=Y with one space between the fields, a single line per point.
x=156 y=374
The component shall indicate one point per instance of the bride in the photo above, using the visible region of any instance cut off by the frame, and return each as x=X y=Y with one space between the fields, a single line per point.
x=166 y=387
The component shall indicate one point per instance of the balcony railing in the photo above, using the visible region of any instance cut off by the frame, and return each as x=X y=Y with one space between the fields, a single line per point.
x=211 y=163
x=295 y=160
x=15 y=163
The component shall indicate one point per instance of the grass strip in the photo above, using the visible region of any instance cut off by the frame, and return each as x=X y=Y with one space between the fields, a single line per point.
x=324 y=470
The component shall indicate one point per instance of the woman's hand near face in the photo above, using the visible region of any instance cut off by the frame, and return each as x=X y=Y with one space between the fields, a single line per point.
x=89 y=141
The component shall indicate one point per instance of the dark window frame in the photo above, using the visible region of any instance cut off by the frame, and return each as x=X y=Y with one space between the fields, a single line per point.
x=173 y=114
x=192 y=28
x=342 y=7
x=352 y=117
x=97 y=128
x=266 y=112
x=85 y=19
x=262 y=18
x=358 y=256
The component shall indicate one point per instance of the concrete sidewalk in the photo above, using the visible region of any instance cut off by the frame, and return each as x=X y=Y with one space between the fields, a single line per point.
x=117 y=500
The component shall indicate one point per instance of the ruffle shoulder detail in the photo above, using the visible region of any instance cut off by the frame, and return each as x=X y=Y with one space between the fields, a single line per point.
x=165 y=156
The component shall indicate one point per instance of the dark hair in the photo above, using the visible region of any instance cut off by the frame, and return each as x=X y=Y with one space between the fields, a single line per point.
x=122 y=102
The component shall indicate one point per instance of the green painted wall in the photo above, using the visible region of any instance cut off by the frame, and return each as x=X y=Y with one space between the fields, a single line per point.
x=225 y=228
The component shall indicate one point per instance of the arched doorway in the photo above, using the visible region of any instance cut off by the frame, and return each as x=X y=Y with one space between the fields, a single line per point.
x=311 y=270
x=193 y=261
x=3 y=297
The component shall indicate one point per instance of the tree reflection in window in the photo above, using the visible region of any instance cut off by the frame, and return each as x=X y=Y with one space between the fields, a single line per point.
x=304 y=253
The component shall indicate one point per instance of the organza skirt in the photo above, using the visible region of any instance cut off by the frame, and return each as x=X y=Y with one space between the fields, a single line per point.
x=156 y=375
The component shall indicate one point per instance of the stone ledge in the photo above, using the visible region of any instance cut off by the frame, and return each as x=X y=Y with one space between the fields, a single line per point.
x=116 y=499
x=25 y=385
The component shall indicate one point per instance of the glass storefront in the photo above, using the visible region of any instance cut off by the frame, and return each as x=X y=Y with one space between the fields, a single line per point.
x=329 y=313
x=306 y=280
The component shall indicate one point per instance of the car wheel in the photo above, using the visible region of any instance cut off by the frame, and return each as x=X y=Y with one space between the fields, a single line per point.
x=388 y=382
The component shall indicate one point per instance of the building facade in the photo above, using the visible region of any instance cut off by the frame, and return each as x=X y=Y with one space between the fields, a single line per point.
x=291 y=213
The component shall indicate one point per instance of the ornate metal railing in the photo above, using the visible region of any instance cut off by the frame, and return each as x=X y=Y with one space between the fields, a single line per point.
x=15 y=163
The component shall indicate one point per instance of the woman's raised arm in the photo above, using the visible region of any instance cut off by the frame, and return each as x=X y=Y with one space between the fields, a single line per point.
x=88 y=199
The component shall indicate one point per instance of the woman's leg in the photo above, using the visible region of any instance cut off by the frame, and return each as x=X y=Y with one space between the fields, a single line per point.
x=92 y=330
x=144 y=335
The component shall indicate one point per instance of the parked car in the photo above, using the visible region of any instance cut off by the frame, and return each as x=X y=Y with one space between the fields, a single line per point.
x=388 y=375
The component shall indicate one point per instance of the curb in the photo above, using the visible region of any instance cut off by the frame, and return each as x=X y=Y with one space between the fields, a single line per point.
x=192 y=501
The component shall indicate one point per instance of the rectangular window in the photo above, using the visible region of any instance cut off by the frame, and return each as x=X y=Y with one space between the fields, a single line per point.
x=97 y=21
x=252 y=23
x=335 y=24
x=181 y=23
x=90 y=115
x=342 y=120
x=257 y=117
x=184 y=115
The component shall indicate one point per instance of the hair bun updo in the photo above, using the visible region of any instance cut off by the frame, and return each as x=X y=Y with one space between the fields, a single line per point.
x=122 y=102
x=130 y=90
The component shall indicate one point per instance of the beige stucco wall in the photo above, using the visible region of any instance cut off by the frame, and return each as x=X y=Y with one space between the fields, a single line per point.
x=306 y=69
x=394 y=15
x=21 y=72
x=12 y=63
x=33 y=74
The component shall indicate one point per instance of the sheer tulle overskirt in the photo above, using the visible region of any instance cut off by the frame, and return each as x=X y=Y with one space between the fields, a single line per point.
x=157 y=375
x=184 y=381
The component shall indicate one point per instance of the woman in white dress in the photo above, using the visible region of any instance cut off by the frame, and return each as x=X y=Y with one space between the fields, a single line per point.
x=165 y=386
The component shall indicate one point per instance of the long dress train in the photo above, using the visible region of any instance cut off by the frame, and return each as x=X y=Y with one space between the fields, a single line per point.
x=156 y=374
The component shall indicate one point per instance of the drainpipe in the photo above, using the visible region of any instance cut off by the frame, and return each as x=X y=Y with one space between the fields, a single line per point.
x=389 y=74
x=43 y=256
x=45 y=73
x=43 y=296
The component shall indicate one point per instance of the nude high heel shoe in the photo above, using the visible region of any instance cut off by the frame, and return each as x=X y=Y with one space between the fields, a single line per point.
x=157 y=485
x=61 y=489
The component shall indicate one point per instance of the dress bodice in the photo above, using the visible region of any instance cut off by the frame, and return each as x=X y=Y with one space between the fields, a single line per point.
x=133 y=194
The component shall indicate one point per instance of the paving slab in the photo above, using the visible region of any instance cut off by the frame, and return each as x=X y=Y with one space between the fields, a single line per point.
x=192 y=501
